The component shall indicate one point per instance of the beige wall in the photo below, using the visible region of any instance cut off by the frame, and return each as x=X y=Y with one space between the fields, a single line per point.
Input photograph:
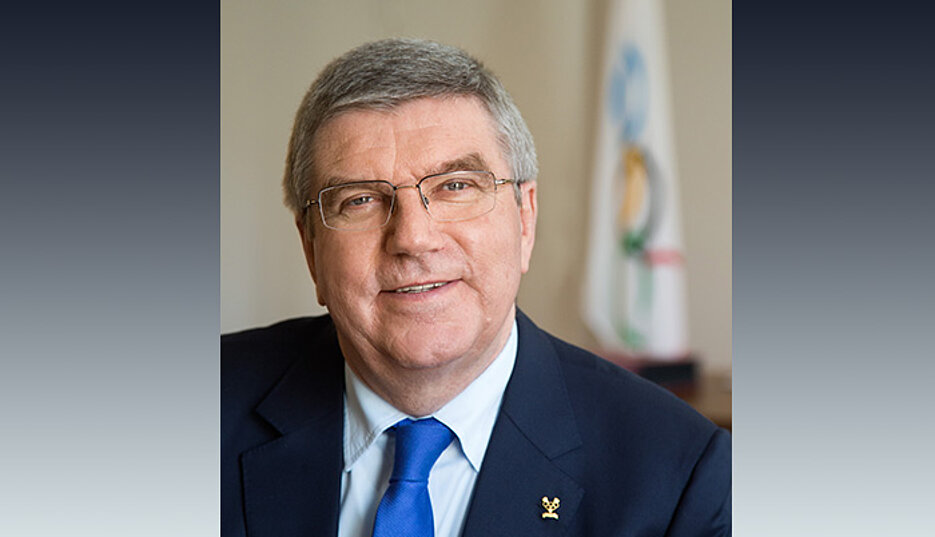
x=548 y=54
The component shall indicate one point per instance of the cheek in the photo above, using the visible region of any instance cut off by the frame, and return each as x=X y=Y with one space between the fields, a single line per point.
x=498 y=262
x=342 y=272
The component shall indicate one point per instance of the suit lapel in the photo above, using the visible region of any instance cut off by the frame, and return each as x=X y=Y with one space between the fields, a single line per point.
x=532 y=449
x=292 y=484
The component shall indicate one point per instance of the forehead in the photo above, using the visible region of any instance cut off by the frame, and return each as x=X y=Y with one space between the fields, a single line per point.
x=416 y=138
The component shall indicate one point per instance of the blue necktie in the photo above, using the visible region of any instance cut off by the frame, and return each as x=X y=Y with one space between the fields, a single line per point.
x=406 y=510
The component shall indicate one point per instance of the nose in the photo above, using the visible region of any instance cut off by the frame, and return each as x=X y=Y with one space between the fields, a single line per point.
x=417 y=188
x=411 y=230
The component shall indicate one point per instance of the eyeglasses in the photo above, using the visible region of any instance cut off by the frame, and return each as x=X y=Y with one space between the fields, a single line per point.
x=448 y=197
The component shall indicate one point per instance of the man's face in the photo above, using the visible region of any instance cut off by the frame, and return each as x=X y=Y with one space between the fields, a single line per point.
x=465 y=321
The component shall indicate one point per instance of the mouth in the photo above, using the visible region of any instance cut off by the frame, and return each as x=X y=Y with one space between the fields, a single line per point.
x=419 y=288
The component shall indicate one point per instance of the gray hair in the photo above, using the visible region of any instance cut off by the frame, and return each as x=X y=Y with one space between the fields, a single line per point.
x=384 y=74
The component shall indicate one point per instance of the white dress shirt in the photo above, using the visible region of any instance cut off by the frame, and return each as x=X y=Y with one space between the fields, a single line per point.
x=368 y=449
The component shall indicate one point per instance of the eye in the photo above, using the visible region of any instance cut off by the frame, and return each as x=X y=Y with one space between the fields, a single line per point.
x=456 y=185
x=459 y=184
x=363 y=199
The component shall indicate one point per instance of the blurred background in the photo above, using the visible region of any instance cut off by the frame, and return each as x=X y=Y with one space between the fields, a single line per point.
x=550 y=55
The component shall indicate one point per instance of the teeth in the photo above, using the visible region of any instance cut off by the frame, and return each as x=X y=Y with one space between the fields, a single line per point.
x=419 y=288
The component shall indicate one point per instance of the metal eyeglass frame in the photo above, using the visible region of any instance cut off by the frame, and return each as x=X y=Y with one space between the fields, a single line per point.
x=417 y=186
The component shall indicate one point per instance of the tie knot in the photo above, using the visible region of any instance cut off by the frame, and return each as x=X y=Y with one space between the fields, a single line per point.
x=418 y=445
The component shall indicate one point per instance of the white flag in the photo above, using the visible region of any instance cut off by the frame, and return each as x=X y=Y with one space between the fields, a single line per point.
x=635 y=289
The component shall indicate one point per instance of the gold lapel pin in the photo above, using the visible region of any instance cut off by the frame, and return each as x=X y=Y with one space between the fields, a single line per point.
x=550 y=507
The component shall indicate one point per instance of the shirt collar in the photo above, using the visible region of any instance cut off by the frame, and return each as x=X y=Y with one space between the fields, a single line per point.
x=470 y=415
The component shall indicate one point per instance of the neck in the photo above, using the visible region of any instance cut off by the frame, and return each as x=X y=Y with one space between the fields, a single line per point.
x=420 y=392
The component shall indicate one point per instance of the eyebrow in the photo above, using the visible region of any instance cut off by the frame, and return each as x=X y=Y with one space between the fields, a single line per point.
x=470 y=161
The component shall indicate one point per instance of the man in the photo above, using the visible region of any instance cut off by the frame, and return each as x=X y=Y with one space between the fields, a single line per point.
x=425 y=403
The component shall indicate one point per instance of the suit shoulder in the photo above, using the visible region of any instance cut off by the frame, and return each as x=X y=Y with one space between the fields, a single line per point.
x=282 y=339
x=283 y=330
x=254 y=359
x=605 y=394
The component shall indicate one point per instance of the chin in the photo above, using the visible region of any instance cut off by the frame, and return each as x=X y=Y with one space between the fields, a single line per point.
x=432 y=353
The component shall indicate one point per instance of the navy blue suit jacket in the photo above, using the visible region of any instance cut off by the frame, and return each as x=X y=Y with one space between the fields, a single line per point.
x=624 y=457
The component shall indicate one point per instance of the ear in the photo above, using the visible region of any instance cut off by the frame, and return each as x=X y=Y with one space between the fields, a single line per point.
x=527 y=213
x=308 y=246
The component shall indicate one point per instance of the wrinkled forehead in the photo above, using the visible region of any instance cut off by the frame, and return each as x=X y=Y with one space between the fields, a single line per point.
x=422 y=136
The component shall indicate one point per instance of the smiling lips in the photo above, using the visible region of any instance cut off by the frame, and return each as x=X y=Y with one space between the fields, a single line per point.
x=413 y=289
